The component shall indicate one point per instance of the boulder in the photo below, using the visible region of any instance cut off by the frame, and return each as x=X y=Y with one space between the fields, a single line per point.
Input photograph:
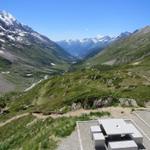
x=107 y=101
x=110 y=82
x=97 y=103
x=4 y=110
x=103 y=102
x=76 y=106
x=128 y=102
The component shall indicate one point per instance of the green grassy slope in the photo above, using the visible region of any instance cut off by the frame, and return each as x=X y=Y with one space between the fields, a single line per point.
x=131 y=80
x=58 y=93
x=4 y=64
x=85 y=86
x=24 y=51
x=31 y=133
x=36 y=60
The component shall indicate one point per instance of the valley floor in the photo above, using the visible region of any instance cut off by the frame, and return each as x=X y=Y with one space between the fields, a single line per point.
x=5 y=86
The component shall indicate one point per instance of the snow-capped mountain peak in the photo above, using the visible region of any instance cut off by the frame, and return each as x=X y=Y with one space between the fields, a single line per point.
x=7 y=18
x=82 y=47
x=13 y=30
x=20 y=43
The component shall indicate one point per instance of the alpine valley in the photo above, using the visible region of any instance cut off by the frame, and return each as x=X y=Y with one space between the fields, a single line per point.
x=47 y=86
x=26 y=56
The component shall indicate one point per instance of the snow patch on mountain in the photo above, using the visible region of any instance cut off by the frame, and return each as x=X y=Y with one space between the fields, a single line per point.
x=21 y=33
x=53 y=64
x=7 y=18
x=1 y=40
x=1 y=34
x=11 y=37
x=1 y=52
x=82 y=47
x=2 y=28
x=38 y=36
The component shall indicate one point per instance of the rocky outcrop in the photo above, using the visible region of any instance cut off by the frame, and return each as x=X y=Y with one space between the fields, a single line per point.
x=76 y=106
x=103 y=102
x=128 y=102
x=4 y=110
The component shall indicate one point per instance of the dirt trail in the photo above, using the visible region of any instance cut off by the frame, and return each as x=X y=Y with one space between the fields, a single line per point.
x=116 y=112
x=34 y=84
x=13 y=118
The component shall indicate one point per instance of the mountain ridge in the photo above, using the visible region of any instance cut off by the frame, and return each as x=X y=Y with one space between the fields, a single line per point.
x=24 y=51
x=80 y=48
x=124 y=50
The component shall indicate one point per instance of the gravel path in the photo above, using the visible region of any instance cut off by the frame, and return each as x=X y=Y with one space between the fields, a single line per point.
x=70 y=143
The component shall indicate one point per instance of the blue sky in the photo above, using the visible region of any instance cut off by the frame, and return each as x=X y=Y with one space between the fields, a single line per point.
x=65 y=19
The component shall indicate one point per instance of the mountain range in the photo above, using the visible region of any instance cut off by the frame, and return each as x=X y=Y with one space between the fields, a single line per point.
x=24 y=51
x=133 y=47
x=19 y=42
x=81 y=48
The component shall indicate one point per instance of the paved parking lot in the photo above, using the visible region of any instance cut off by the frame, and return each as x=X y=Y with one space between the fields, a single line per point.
x=141 y=119
x=85 y=136
x=81 y=138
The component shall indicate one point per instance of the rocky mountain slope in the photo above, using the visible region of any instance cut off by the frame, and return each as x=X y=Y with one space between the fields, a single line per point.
x=82 y=48
x=24 y=51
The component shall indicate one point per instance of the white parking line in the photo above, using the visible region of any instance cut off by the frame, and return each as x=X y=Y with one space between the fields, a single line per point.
x=79 y=136
x=142 y=119
x=141 y=130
